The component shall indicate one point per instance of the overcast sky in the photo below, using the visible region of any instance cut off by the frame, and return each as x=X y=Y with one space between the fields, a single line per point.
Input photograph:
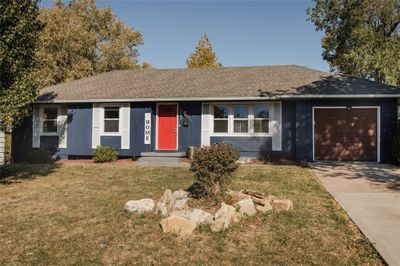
x=243 y=33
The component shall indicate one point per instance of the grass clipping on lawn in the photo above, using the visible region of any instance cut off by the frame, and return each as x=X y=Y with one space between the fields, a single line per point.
x=73 y=214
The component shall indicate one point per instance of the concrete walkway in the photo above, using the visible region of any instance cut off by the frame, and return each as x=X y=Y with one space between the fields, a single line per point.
x=370 y=193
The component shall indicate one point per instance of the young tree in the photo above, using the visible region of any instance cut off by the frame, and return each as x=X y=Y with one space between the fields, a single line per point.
x=18 y=32
x=361 y=37
x=203 y=55
x=81 y=40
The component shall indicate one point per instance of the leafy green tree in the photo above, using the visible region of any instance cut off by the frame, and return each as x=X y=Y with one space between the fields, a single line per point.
x=81 y=40
x=18 y=33
x=361 y=37
x=203 y=55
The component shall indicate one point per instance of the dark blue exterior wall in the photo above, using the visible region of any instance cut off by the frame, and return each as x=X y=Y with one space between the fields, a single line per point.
x=304 y=137
x=79 y=136
x=296 y=130
x=189 y=135
x=248 y=146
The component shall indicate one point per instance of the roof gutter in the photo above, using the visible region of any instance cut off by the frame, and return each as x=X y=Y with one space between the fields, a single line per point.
x=280 y=97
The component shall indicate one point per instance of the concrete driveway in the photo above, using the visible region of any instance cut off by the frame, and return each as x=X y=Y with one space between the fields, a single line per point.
x=370 y=193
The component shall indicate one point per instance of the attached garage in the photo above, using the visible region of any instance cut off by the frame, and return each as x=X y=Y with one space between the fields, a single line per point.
x=346 y=133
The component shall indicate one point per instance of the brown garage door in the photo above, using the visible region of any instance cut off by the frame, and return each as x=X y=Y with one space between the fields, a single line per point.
x=345 y=134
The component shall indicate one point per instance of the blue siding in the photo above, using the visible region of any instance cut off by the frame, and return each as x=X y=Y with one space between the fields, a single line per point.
x=79 y=136
x=248 y=146
x=111 y=141
x=137 y=127
x=189 y=135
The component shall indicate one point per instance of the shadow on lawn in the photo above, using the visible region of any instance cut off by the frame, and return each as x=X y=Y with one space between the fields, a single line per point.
x=15 y=173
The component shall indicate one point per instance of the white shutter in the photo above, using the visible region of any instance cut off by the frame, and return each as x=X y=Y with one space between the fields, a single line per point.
x=125 y=121
x=2 y=145
x=205 y=125
x=36 y=127
x=276 y=126
x=62 y=126
x=96 y=125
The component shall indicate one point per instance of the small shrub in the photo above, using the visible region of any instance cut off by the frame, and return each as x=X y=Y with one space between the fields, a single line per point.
x=396 y=143
x=105 y=154
x=39 y=155
x=214 y=166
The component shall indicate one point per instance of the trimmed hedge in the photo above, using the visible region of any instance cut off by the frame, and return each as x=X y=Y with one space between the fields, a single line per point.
x=105 y=154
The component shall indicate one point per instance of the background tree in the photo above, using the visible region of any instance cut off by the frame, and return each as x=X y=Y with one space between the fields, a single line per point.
x=81 y=40
x=18 y=32
x=361 y=37
x=203 y=55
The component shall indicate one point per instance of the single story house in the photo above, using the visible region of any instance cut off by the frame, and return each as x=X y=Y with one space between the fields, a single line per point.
x=283 y=111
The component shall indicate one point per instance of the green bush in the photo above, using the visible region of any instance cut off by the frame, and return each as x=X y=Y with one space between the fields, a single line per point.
x=7 y=149
x=39 y=155
x=396 y=143
x=105 y=154
x=214 y=166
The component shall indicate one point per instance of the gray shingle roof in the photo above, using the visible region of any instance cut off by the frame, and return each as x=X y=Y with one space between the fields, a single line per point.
x=213 y=83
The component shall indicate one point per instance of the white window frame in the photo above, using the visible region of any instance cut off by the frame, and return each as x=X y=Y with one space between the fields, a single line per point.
x=222 y=119
x=41 y=119
x=268 y=119
x=102 y=118
x=231 y=118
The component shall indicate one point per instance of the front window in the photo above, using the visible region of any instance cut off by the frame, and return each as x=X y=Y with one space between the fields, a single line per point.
x=261 y=119
x=221 y=119
x=49 y=120
x=240 y=119
x=111 y=119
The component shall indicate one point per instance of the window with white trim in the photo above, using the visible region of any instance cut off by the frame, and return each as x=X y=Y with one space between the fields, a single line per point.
x=111 y=119
x=221 y=118
x=49 y=117
x=261 y=118
x=241 y=119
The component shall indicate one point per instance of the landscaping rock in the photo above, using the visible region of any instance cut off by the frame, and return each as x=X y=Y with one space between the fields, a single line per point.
x=246 y=207
x=197 y=215
x=178 y=225
x=263 y=205
x=201 y=217
x=282 y=204
x=238 y=195
x=181 y=204
x=224 y=217
x=168 y=197
x=140 y=206
x=166 y=204
x=180 y=194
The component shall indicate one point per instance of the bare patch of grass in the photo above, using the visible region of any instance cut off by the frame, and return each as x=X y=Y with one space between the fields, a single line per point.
x=74 y=214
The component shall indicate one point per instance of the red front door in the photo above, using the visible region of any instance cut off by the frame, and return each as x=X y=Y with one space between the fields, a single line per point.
x=167 y=126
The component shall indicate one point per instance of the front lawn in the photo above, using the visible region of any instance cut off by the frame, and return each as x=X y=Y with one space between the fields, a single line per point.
x=73 y=214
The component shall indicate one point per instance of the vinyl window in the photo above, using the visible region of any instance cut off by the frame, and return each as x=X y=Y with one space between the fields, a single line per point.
x=111 y=119
x=221 y=118
x=250 y=119
x=240 y=118
x=49 y=120
x=261 y=118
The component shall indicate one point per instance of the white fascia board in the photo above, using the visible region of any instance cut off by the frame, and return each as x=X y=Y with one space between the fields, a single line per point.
x=303 y=96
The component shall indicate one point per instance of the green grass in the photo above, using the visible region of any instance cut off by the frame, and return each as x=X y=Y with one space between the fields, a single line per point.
x=73 y=214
